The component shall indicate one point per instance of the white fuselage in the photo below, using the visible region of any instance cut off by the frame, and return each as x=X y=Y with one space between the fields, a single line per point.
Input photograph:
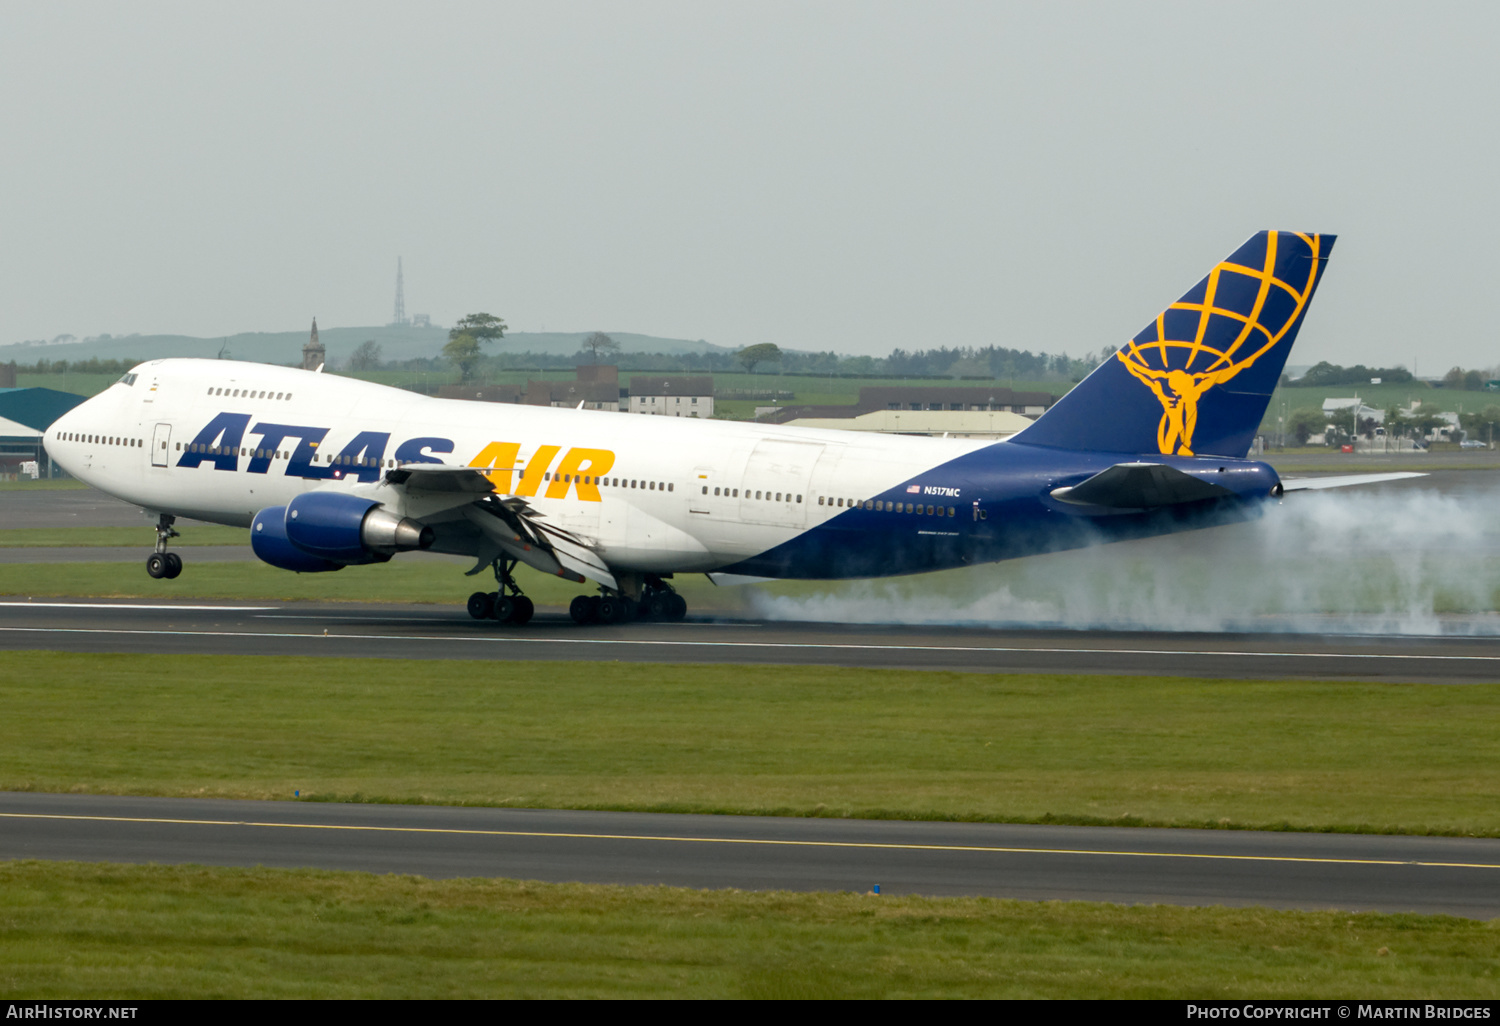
x=220 y=440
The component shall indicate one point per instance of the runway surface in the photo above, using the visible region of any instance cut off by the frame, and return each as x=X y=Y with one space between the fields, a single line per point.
x=1454 y=876
x=426 y=632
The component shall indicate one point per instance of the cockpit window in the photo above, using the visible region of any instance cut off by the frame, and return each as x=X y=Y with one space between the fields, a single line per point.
x=128 y=379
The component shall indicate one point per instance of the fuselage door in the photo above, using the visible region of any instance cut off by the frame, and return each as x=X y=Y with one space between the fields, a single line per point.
x=775 y=485
x=161 y=443
x=699 y=489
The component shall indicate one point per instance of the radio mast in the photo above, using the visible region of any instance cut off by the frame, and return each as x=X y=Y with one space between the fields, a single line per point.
x=400 y=318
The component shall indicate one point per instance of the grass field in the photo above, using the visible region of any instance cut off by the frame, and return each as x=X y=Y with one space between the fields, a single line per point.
x=143 y=537
x=56 y=484
x=758 y=740
x=142 y=932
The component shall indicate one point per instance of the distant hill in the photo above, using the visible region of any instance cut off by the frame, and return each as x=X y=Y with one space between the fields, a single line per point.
x=286 y=346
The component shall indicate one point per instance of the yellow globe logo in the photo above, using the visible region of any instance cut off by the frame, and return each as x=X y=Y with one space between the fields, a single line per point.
x=1182 y=362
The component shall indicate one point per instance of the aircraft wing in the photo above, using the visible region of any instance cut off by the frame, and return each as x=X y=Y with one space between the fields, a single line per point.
x=509 y=524
x=1311 y=484
x=438 y=478
x=1140 y=486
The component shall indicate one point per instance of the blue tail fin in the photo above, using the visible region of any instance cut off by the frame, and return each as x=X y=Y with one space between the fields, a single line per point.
x=1196 y=381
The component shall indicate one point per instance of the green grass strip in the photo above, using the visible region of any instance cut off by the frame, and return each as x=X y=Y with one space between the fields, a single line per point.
x=143 y=537
x=809 y=741
x=55 y=484
x=141 y=932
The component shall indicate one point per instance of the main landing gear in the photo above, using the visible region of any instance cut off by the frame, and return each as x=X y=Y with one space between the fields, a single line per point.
x=657 y=602
x=507 y=605
x=161 y=563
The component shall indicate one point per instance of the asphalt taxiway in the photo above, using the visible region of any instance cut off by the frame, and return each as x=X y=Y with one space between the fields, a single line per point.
x=1444 y=875
x=426 y=632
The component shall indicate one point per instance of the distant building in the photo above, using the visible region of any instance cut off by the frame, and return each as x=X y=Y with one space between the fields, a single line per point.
x=313 y=354
x=953 y=423
x=974 y=411
x=25 y=416
x=482 y=393
x=597 y=387
x=673 y=396
x=1332 y=406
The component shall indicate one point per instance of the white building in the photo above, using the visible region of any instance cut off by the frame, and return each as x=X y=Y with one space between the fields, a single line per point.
x=673 y=396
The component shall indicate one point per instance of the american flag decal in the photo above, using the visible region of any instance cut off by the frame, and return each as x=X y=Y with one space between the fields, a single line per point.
x=913 y=489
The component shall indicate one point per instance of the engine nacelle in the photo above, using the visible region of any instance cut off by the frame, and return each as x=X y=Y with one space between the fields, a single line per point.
x=348 y=529
x=325 y=531
x=269 y=541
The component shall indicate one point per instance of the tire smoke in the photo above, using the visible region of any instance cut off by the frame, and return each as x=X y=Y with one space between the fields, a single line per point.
x=1408 y=560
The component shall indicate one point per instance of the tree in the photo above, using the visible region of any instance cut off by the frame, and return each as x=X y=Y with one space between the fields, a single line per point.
x=463 y=352
x=598 y=343
x=1454 y=378
x=481 y=327
x=366 y=357
x=766 y=352
x=1306 y=423
x=465 y=337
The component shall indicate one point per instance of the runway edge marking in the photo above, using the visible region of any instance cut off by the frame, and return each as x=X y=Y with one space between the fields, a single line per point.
x=983 y=849
x=792 y=645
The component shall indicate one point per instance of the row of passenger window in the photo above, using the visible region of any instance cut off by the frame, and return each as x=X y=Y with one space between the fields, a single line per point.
x=75 y=436
x=248 y=393
x=874 y=504
x=734 y=493
x=882 y=506
x=612 y=482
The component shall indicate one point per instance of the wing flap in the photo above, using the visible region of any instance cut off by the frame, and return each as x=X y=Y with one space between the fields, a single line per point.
x=517 y=530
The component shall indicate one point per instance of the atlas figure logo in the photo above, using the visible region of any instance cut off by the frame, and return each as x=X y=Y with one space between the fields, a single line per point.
x=1236 y=315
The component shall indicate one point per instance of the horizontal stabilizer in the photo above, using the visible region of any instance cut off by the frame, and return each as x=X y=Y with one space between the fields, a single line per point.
x=1313 y=484
x=1140 y=486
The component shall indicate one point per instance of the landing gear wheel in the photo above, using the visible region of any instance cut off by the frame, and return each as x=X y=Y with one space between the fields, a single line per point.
x=481 y=605
x=659 y=606
x=679 y=607
x=161 y=563
x=610 y=609
x=582 y=609
x=507 y=605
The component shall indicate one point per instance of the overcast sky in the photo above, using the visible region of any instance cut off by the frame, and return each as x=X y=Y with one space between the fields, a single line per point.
x=847 y=176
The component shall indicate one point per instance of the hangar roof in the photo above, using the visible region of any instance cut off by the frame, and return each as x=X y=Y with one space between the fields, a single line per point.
x=33 y=408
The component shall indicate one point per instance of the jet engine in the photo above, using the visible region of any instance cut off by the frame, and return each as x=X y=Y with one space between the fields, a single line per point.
x=320 y=531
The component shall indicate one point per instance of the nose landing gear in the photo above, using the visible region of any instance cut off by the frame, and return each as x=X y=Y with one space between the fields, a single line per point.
x=161 y=563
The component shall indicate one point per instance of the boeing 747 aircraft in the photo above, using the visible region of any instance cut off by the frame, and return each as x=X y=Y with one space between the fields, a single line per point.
x=329 y=472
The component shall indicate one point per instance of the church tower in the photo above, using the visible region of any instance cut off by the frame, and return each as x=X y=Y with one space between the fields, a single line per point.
x=312 y=353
